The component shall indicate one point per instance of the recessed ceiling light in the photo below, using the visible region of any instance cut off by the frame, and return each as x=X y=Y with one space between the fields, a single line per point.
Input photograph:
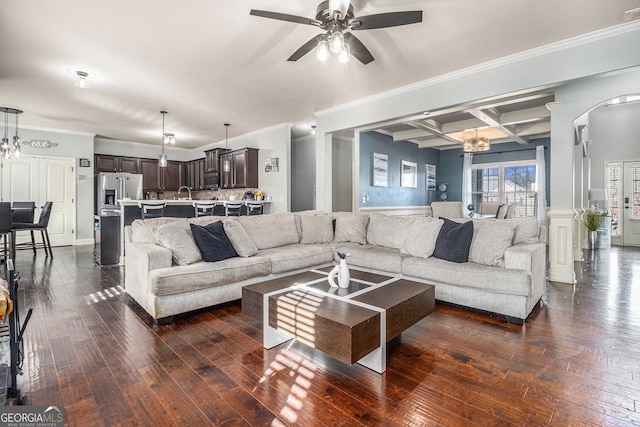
x=426 y=113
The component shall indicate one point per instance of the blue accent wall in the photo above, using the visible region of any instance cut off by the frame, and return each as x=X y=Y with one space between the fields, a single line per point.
x=450 y=170
x=394 y=194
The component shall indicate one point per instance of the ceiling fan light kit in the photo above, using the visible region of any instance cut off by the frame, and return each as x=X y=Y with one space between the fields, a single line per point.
x=336 y=18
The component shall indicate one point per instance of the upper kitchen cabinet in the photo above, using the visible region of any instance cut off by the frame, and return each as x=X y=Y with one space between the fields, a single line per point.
x=107 y=163
x=156 y=178
x=195 y=174
x=212 y=159
x=242 y=171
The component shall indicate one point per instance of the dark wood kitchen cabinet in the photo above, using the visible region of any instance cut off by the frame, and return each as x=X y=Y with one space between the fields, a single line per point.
x=242 y=171
x=107 y=163
x=195 y=174
x=156 y=178
x=212 y=159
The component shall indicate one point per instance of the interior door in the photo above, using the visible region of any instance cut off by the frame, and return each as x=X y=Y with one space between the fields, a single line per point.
x=56 y=184
x=42 y=179
x=631 y=204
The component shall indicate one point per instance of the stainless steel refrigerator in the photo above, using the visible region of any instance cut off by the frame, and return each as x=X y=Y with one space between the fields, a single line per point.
x=112 y=186
x=107 y=230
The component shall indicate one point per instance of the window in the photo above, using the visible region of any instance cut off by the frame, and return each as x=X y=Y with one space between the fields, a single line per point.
x=513 y=183
x=614 y=171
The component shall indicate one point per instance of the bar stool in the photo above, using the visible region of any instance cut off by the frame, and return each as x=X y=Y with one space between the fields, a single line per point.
x=254 y=208
x=41 y=225
x=6 y=228
x=152 y=208
x=203 y=207
x=232 y=208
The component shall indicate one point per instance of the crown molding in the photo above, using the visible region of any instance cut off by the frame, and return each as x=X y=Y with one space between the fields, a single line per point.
x=555 y=47
x=54 y=130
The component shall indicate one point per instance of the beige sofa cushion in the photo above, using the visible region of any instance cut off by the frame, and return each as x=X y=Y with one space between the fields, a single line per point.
x=297 y=257
x=177 y=237
x=370 y=256
x=392 y=231
x=242 y=243
x=526 y=231
x=143 y=230
x=271 y=231
x=204 y=275
x=316 y=229
x=490 y=239
x=422 y=240
x=351 y=227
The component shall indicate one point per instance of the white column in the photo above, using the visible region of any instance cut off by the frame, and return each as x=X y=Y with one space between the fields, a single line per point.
x=323 y=170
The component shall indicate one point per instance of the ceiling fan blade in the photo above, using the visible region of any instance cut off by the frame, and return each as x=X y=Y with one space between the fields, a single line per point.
x=385 y=20
x=285 y=17
x=305 y=48
x=358 y=50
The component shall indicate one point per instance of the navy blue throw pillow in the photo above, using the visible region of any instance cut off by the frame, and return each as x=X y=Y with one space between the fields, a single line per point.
x=454 y=241
x=212 y=241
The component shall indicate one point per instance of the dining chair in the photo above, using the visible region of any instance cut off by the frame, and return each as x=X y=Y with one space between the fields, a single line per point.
x=511 y=212
x=203 y=207
x=502 y=211
x=255 y=208
x=152 y=208
x=23 y=211
x=232 y=208
x=6 y=228
x=42 y=226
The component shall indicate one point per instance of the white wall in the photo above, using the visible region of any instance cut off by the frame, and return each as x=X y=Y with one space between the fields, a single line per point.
x=614 y=132
x=272 y=142
x=116 y=147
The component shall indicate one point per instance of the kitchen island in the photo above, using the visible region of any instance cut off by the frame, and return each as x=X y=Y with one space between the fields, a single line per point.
x=183 y=208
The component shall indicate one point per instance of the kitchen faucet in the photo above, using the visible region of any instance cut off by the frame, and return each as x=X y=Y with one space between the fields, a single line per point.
x=188 y=189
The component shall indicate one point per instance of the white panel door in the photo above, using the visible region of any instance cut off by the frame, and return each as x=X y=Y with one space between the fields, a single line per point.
x=55 y=184
x=43 y=179
x=631 y=204
x=20 y=179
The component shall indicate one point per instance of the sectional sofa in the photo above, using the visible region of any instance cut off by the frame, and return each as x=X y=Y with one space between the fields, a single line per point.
x=166 y=275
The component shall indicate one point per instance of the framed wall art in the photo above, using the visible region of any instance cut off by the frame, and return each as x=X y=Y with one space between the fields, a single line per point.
x=431 y=177
x=380 y=169
x=409 y=174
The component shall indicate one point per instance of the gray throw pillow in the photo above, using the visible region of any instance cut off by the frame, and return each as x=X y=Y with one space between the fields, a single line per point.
x=177 y=237
x=454 y=240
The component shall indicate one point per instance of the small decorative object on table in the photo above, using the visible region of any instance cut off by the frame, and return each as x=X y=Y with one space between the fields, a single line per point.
x=342 y=271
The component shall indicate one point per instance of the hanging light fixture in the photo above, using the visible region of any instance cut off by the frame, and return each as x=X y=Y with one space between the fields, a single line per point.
x=5 y=149
x=169 y=138
x=162 y=162
x=472 y=145
x=323 y=50
x=226 y=163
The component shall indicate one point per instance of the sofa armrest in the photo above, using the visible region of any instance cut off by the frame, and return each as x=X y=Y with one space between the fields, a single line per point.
x=530 y=257
x=140 y=259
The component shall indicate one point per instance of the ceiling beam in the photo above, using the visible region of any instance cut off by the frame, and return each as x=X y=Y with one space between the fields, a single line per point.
x=523 y=116
x=406 y=135
x=492 y=118
x=534 y=128
x=432 y=128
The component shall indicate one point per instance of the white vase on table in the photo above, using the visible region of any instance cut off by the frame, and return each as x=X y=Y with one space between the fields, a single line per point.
x=341 y=272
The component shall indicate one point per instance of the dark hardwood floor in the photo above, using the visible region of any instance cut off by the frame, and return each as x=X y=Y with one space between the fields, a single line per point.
x=576 y=361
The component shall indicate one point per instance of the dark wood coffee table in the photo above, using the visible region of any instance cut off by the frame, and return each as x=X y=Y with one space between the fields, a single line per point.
x=352 y=324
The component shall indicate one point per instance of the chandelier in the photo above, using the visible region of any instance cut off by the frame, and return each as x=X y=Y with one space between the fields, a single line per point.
x=471 y=145
x=5 y=149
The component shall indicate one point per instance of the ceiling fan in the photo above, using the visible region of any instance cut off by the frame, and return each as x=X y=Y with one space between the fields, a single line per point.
x=336 y=18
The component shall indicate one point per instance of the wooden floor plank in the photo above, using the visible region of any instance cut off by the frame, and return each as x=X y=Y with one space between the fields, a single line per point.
x=90 y=348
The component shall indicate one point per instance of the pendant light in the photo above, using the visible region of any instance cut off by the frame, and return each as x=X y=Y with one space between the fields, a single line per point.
x=162 y=162
x=5 y=149
x=226 y=164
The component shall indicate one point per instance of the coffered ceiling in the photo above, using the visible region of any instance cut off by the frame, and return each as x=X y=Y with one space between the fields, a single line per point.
x=515 y=118
x=208 y=62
